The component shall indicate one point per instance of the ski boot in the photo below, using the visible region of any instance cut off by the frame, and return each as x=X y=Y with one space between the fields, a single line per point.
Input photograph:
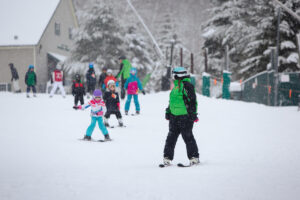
x=27 y=95
x=137 y=112
x=194 y=161
x=120 y=122
x=106 y=137
x=167 y=161
x=126 y=112
x=89 y=138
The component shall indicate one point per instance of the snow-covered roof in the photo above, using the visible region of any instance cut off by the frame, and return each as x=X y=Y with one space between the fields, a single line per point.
x=23 y=22
x=58 y=56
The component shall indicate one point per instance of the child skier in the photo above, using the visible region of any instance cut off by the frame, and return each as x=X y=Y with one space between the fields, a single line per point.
x=112 y=101
x=102 y=78
x=181 y=113
x=30 y=80
x=78 y=90
x=97 y=109
x=90 y=79
x=14 y=78
x=58 y=81
x=133 y=84
x=109 y=77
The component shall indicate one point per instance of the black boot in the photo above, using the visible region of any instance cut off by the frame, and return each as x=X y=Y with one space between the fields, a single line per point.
x=137 y=112
x=87 y=137
x=107 y=137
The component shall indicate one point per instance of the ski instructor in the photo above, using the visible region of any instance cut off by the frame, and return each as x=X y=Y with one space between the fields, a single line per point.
x=181 y=113
x=124 y=72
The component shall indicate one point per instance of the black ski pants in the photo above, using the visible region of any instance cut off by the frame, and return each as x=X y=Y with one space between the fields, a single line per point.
x=29 y=87
x=184 y=126
x=90 y=88
x=123 y=92
x=117 y=113
x=78 y=98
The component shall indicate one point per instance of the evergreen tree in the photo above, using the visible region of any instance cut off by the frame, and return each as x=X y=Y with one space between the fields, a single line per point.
x=99 y=38
x=139 y=50
x=249 y=29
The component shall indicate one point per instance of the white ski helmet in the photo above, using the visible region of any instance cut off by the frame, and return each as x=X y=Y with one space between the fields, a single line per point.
x=109 y=71
x=59 y=66
x=179 y=72
x=110 y=82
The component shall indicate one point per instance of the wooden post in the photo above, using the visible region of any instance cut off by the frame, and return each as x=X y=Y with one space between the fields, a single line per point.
x=171 y=58
x=167 y=53
x=226 y=61
x=181 y=57
x=205 y=60
x=192 y=63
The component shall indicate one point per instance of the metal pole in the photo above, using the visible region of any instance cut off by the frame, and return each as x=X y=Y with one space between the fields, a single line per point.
x=298 y=42
x=272 y=61
x=192 y=63
x=276 y=59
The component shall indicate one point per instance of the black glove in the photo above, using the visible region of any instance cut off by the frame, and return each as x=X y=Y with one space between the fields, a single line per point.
x=168 y=113
x=143 y=92
x=167 y=116
x=193 y=117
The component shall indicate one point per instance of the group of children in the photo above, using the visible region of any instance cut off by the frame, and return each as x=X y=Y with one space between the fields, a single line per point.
x=105 y=101
x=181 y=112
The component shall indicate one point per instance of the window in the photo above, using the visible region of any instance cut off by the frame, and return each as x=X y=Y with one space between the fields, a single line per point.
x=70 y=33
x=57 y=28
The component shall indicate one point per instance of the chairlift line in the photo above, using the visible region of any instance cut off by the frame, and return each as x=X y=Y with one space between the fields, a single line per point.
x=146 y=28
x=288 y=10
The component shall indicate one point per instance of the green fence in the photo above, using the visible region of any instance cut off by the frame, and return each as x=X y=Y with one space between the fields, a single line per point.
x=260 y=88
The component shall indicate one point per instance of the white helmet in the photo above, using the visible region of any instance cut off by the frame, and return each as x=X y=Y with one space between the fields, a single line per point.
x=179 y=72
x=110 y=82
x=109 y=71
x=59 y=66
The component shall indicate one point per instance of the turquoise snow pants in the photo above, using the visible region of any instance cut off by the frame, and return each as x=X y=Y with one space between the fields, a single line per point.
x=90 y=129
x=136 y=102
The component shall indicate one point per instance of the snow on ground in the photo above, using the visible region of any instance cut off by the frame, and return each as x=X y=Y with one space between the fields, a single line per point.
x=248 y=151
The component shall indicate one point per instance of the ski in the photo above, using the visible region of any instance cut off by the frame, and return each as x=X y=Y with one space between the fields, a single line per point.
x=116 y=126
x=189 y=165
x=104 y=140
x=182 y=165
x=163 y=165
x=92 y=140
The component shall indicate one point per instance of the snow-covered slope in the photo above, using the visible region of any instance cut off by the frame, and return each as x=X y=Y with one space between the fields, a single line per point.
x=248 y=151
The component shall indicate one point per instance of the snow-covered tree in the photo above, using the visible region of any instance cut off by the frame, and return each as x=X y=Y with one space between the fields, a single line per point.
x=249 y=29
x=99 y=38
x=139 y=50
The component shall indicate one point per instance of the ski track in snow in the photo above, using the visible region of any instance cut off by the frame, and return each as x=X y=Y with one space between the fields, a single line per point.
x=247 y=151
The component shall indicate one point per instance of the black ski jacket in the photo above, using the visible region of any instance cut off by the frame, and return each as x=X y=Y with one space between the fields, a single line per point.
x=112 y=101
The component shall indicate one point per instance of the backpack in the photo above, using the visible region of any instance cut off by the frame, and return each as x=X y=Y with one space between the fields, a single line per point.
x=191 y=106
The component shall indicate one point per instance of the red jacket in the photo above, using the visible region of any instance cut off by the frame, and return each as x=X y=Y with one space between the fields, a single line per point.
x=108 y=78
x=57 y=76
